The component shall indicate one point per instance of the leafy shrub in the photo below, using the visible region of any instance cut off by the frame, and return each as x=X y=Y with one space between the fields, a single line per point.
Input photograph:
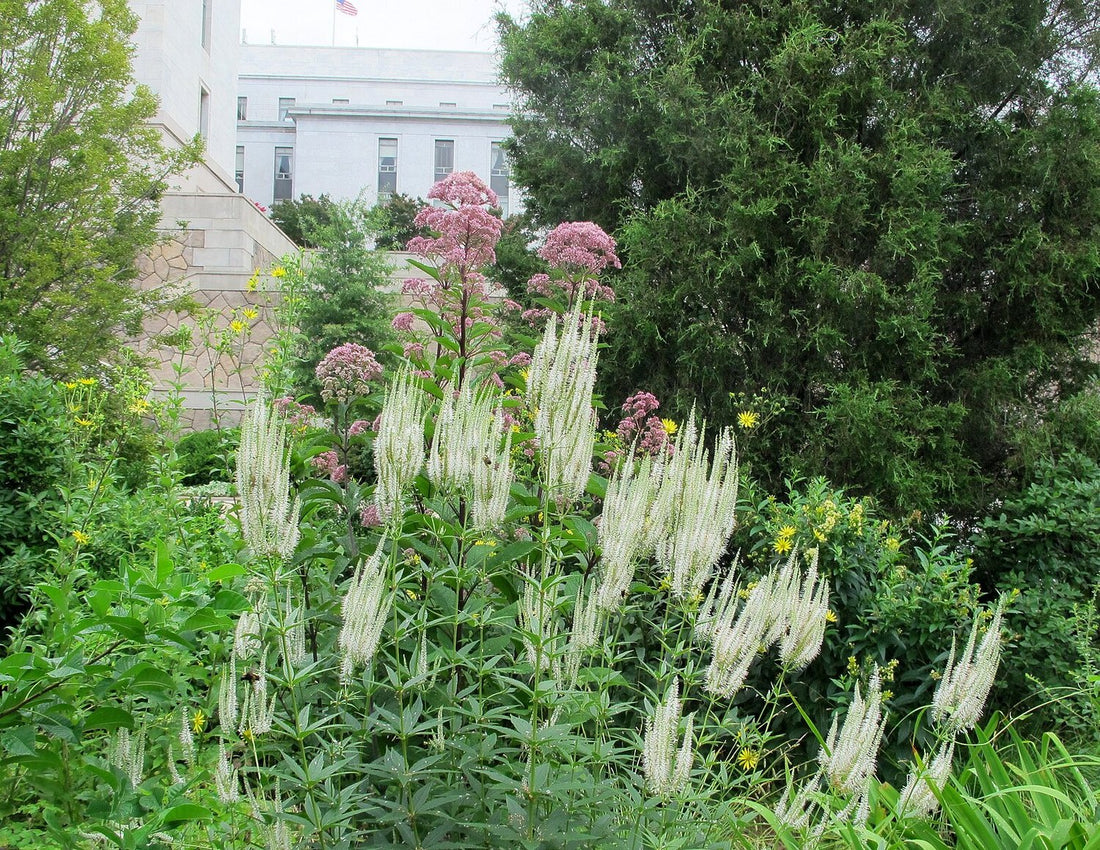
x=898 y=597
x=36 y=458
x=206 y=456
x=1045 y=542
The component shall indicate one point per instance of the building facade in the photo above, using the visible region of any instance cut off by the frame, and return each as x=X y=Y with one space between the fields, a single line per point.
x=212 y=237
x=365 y=123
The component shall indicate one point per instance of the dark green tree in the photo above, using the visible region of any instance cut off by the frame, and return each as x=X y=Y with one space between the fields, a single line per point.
x=344 y=297
x=300 y=219
x=81 y=173
x=395 y=223
x=882 y=215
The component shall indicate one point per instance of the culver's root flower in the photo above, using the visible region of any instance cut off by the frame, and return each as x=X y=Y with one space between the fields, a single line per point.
x=465 y=419
x=225 y=778
x=492 y=476
x=918 y=798
x=848 y=758
x=622 y=531
x=399 y=445
x=365 y=609
x=806 y=613
x=585 y=633
x=559 y=390
x=735 y=638
x=269 y=519
x=694 y=513
x=227 y=694
x=128 y=754
x=967 y=678
x=667 y=768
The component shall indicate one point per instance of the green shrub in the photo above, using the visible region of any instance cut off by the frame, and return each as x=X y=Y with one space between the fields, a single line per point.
x=1045 y=542
x=206 y=456
x=36 y=458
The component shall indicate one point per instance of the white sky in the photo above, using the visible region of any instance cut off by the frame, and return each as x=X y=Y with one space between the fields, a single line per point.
x=429 y=24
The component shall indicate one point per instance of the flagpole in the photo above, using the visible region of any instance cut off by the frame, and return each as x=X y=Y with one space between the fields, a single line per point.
x=333 y=23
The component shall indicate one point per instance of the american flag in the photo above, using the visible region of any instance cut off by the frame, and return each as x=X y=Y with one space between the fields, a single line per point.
x=347 y=7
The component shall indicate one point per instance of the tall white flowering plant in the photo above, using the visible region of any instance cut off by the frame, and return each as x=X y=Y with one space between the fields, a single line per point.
x=518 y=650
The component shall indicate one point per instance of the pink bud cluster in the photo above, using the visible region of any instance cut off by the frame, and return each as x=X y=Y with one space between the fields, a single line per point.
x=297 y=415
x=346 y=372
x=328 y=463
x=579 y=246
x=465 y=231
x=641 y=426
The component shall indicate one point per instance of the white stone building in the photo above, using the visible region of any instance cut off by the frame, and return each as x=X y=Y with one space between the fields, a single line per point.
x=367 y=122
x=213 y=238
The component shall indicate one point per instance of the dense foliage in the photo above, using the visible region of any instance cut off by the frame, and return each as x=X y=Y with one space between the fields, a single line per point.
x=80 y=176
x=341 y=298
x=882 y=217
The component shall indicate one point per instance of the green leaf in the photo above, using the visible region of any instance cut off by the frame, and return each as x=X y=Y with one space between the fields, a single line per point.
x=109 y=717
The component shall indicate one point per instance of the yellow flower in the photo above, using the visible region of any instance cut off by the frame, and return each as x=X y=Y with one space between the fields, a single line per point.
x=139 y=406
x=237 y=326
x=278 y=271
x=84 y=423
x=247 y=734
x=70 y=385
x=787 y=531
x=198 y=721
x=87 y=382
x=830 y=616
x=893 y=544
x=81 y=538
x=748 y=758
x=411 y=594
x=249 y=312
x=748 y=419
x=782 y=545
x=669 y=426
x=253 y=282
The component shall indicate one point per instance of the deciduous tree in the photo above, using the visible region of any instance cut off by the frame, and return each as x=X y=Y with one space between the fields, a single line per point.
x=81 y=173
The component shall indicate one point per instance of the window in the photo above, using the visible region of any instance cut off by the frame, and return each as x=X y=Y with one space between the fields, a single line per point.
x=340 y=101
x=204 y=36
x=387 y=169
x=500 y=107
x=204 y=113
x=242 y=108
x=444 y=158
x=284 y=174
x=499 y=174
x=395 y=103
x=447 y=104
x=239 y=168
x=285 y=103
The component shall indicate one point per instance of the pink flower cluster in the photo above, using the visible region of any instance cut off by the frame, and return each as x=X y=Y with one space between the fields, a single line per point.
x=369 y=517
x=328 y=463
x=297 y=415
x=579 y=246
x=641 y=426
x=346 y=372
x=466 y=232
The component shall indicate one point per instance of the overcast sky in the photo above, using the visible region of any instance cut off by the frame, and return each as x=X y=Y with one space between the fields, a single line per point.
x=435 y=24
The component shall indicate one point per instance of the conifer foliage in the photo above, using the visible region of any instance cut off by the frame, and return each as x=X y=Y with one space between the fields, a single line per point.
x=883 y=215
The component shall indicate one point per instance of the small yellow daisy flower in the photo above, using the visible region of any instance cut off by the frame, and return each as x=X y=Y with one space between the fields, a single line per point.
x=70 y=385
x=830 y=616
x=81 y=538
x=787 y=531
x=748 y=758
x=87 y=382
x=278 y=271
x=249 y=312
x=237 y=326
x=782 y=545
x=84 y=423
x=748 y=419
x=670 y=426
x=198 y=721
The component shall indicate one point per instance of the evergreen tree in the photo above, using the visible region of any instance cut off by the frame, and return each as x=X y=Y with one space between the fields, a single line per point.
x=882 y=216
